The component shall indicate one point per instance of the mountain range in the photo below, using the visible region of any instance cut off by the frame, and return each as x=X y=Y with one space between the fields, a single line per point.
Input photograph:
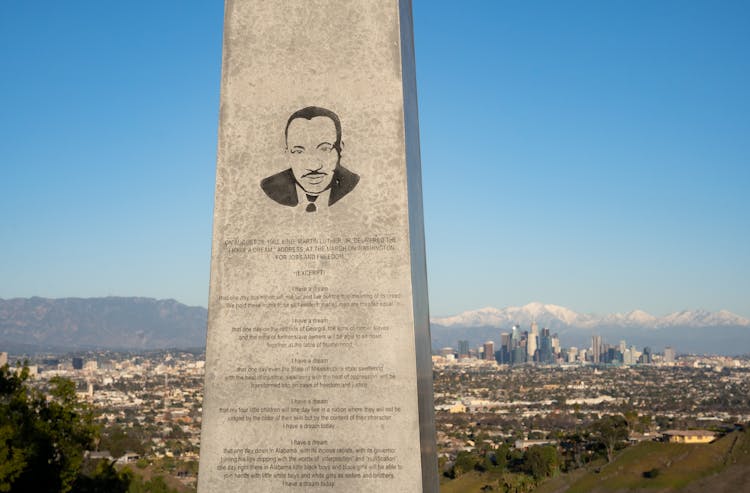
x=697 y=331
x=553 y=316
x=134 y=323
x=30 y=325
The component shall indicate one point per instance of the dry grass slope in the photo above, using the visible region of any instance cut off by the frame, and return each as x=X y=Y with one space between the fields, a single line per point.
x=717 y=467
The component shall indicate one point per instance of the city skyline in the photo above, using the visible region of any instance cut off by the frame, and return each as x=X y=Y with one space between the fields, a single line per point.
x=599 y=162
x=541 y=346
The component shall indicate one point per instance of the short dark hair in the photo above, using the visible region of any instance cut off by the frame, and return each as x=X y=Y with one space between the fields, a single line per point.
x=311 y=112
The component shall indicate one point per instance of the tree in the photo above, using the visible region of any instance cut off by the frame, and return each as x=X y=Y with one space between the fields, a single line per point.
x=42 y=437
x=153 y=485
x=610 y=431
x=104 y=478
x=119 y=440
x=465 y=462
x=541 y=461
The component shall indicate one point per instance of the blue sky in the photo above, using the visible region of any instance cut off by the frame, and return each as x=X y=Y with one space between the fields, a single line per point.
x=593 y=154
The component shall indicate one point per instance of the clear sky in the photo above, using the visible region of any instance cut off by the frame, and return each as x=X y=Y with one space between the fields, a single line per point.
x=590 y=154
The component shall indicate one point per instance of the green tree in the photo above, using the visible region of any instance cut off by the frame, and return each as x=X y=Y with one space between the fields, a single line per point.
x=465 y=462
x=119 y=440
x=104 y=478
x=153 y=485
x=541 y=461
x=610 y=431
x=42 y=437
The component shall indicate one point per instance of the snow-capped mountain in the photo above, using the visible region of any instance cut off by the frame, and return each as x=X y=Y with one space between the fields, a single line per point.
x=556 y=317
x=552 y=315
x=698 y=331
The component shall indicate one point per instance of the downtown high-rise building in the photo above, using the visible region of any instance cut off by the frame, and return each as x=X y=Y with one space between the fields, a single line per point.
x=647 y=356
x=596 y=349
x=669 y=355
x=532 y=344
x=463 y=349
x=546 y=353
x=489 y=351
x=505 y=349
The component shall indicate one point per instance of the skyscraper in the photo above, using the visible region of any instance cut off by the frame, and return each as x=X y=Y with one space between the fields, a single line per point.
x=596 y=349
x=515 y=336
x=545 y=352
x=555 y=344
x=489 y=351
x=533 y=342
x=668 y=354
x=463 y=349
x=505 y=339
x=646 y=356
x=572 y=354
x=505 y=348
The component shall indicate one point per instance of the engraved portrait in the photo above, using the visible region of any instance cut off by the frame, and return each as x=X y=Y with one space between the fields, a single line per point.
x=315 y=178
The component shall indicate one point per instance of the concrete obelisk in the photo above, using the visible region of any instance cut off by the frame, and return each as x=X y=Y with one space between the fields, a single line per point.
x=318 y=368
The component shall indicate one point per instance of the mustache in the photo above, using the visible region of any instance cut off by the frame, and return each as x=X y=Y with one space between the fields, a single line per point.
x=314 y=173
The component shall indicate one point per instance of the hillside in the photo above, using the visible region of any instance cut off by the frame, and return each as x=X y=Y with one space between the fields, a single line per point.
x=719 y=467
x=722 y=466
x=43 y=324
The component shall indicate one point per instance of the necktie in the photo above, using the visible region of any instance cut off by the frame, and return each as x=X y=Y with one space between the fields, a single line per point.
x=311 y=206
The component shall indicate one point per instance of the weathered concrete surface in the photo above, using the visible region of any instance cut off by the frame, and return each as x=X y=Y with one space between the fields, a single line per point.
x=318 y=366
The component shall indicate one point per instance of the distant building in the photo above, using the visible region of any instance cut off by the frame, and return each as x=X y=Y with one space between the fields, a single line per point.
x=613 y=356
x=647 y=356
x=505 y=339
x=572 y=354
x=689 y=436
x=97 y=455
x=506 y=346
x=447 y=351
x=489 y=350
x=77 y=363
x=463 y=349
x=128 y=458
x=668 y=354
x=3 y=359
x=635 y=438
x=628 y=358
x=518 y=355
x=532 y=344
x=596 y=349
x=515 y=343
x=582 y=355
x=524 y=444
x=546 y=348
x=456 y=408
x=555 y=344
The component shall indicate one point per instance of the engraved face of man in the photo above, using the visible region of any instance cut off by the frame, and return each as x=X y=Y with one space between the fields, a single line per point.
x=313 y=149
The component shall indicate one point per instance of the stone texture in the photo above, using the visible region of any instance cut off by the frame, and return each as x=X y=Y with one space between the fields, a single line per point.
x=318 y=366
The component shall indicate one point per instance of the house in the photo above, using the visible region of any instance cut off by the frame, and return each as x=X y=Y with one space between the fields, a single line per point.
x=128 y=458
x=458 y=407
x=526 y=443
x=689 y=436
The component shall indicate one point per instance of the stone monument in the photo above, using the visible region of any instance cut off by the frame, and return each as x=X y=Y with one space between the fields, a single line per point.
x=318 y=368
